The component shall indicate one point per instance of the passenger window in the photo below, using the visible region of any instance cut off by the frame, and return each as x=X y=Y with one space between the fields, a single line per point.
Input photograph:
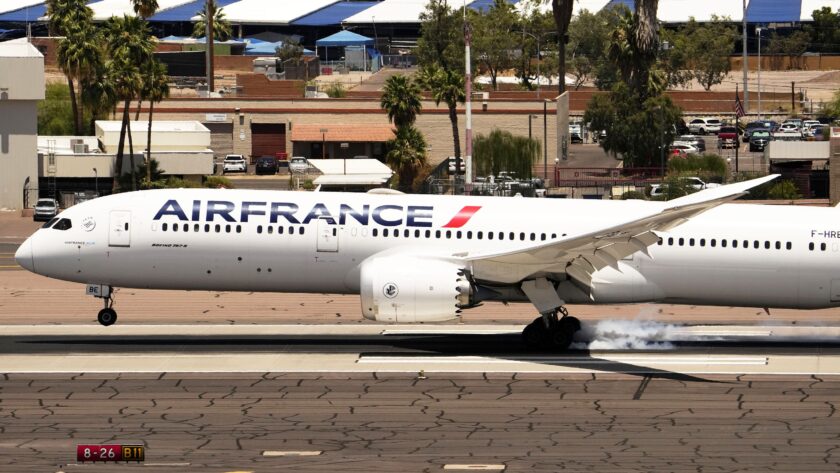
x=734 y=243
x=396 y=233
x=501 y=235
x=713 y=243
x=448 y=234
x=406 y=233
x=163 y=227
x=746 y=244
x=682 y=241
x=174 y=227
x=416 y=233
x=533 y=237
x=755 y=244
x=271 y=230
x=50 y=223
x=227 y=228
x=428 y=233
x=469 y=235
x=542 y=237
x=522 y=236
x=301 y=230
x=385 y=231
x=375 y=232
x=659 y=242
x=280 y=230
x=702 y=242
x=207 y=228
x=259 y=228
x=671 y=241
x=239 y=229
x=335 y=231
x=553 y=236
x=186 y=227
x=511 y=236
x=196 y=228
x=778 y=245
x=458 y=234
x=723 y=243
x=489 y=235
x=691 y=242
x=766 y=245
x=437 y=233
x=822 y=245
x=218 y=228
x=480 y=235
x=789 y=246
x=811 y=246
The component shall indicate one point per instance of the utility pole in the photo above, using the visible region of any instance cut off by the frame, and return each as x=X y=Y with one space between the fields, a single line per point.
x=792 y=98
x=746 y=66
x=468 y=93
x=208 y=44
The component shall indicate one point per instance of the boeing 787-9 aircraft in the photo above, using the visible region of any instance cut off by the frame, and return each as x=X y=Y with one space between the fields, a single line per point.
x=426 y=258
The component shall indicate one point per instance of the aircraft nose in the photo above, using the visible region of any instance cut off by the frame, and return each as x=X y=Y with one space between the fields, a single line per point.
x=24 y=256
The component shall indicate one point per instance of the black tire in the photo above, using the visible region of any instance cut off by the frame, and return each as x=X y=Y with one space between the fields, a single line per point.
x=107 y=317
x=535 y=335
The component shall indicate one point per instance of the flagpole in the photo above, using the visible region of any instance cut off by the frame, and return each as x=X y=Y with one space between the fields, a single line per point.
x=737 y=127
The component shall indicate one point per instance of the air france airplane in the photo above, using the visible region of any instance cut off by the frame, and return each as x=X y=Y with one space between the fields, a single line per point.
x=425 y=258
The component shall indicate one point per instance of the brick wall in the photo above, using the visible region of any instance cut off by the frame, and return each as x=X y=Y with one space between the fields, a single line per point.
x=258 y=85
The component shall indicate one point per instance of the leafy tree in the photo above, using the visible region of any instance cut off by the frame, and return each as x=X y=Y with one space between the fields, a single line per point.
x=222 y=31
x=290 y=50
x=832 y=108
x=783 y=190
x=793 y=45
x=406 y=155
x=441 y=41
x=447 y=87
x=491 y=41
x=709 y=48
x=401 y=100
x=825 y=30
x=502 y=151
x=152 y=169
x=55 y=115
x=636 y=129
x=674 y=187
x=674 y=58
x=534 y=24
x=145 y=8
x=588 y=33
x=561 y=12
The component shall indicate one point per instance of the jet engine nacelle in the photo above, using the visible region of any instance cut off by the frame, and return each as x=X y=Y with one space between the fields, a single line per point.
x=413 y=289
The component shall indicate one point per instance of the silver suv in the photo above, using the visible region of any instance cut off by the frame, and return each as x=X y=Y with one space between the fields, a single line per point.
x=701 y=126
x=234 y=163
x=45 y=209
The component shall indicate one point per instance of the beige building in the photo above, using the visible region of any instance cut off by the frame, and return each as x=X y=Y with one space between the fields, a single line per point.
x=257 y=127
x=21 y=87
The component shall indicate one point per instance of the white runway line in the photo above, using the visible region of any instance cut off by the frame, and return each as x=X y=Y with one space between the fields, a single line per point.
x=598 y=359
x=301 y=453
x=474 y=467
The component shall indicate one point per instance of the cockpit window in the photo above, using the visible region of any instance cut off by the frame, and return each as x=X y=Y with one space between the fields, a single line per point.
x=50 y=223
x=63 y=224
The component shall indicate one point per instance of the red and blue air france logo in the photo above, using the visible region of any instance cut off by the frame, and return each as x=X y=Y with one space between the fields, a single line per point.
x=463 y=216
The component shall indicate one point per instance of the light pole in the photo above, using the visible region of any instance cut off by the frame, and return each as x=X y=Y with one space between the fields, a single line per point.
x=530 y=116
x=96 y=181
x=745 y=59
x=324 y=143
x=545 y=140
x=758 y=32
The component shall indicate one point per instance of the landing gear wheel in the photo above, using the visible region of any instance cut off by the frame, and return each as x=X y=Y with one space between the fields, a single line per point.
x=107 y=316
x=535 y=334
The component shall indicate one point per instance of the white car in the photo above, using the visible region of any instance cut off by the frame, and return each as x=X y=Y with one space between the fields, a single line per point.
x=234 y=163
x=789 y=127
x=45 y=209
x=684 y=148
x=702 y=126
x=298 y=165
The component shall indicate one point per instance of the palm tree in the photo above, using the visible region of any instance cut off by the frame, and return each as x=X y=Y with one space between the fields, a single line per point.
x=646 y=38
x=407 y=155
x=448 y=87
x=99 y=94
x=78 y=55
x=65 y=13
x=145 y=8
x=401 y=100
x=130 y=46
x=155 y=89
x=213 y=25
x=562 y=12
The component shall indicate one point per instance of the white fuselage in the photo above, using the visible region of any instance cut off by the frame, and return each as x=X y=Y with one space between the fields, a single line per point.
x=243 y=240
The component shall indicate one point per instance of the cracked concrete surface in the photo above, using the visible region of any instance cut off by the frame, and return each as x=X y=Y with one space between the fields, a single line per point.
x=221 y=422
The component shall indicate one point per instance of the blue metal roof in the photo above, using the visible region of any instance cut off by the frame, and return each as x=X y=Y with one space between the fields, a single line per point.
x=774 y=11
x=30 y=14
x=183 y=13
x=630 y=4
x=345 y=38
x=333 y=14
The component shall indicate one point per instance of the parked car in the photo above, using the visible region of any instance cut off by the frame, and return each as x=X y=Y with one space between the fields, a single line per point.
x=234 y=163
x=298 y=165
x=759 y=140
x=809 y=127
x=703 y=126
x=575 y=133
x=266 y=165
x=728 y=137
x=757 y=125
x=694 y=140
x=789 y=127
x=683 y=149
x=696 y=183
x=45 y=209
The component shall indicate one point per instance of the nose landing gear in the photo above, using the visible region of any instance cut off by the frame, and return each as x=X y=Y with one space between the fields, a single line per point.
x=107 y=316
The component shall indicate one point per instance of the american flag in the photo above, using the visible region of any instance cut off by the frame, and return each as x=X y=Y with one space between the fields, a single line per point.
x=739 y=107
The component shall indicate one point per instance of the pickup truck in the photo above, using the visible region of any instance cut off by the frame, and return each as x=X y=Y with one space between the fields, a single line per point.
x=728 y=137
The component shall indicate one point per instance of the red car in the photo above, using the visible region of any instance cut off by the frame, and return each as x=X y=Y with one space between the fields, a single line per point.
x=728 y=137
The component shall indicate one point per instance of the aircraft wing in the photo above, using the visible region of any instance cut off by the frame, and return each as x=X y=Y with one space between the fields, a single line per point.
x=579 y=256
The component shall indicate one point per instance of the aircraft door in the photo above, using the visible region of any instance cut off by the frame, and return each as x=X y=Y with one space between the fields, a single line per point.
x=119 y=230
x=835 y=290
x=327 y=235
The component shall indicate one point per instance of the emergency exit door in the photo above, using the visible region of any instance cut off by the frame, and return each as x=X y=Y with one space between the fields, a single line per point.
x=327 y=235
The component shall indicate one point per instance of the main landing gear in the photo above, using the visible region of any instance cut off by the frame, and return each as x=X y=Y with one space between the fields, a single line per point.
x=107 y=316
x=554 y=330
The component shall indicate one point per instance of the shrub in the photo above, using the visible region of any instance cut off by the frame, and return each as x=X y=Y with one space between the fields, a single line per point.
x=783 y=190
x=633 y=195
x=216 y=182
x=709 y=167
x=336 y=90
